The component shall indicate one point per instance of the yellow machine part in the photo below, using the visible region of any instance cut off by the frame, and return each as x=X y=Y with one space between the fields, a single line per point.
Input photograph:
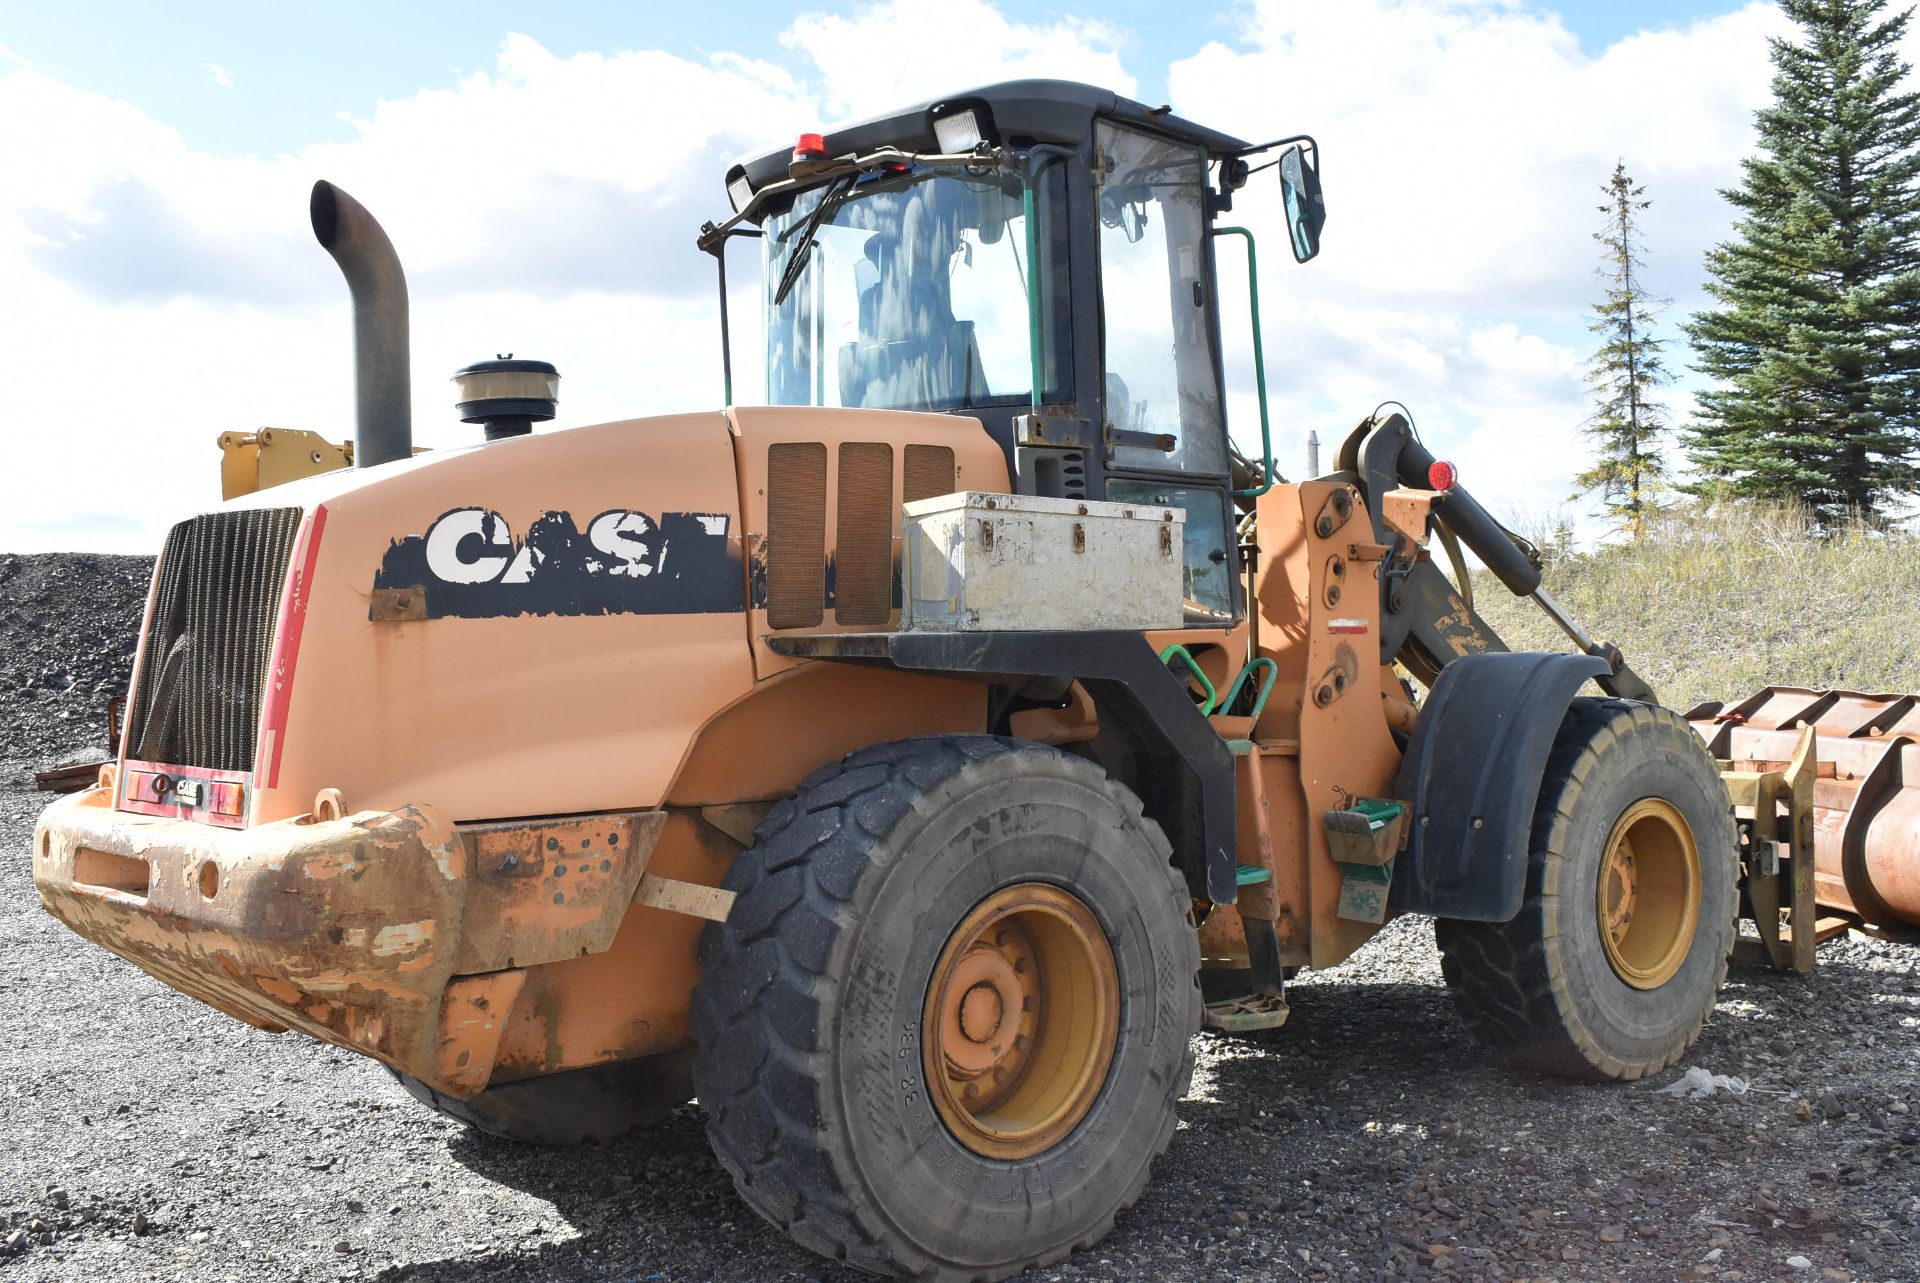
x=251 y=461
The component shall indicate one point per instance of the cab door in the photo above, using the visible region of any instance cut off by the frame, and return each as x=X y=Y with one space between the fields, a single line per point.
x=1163 y=421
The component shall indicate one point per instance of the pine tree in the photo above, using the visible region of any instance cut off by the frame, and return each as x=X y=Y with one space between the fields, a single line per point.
x=1816 y=343
x=1627 y=368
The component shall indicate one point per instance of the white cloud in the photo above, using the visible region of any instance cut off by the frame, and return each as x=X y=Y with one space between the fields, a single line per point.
x=219 y=75
x=157 y=294
x=1465 y=145
x=902 y=51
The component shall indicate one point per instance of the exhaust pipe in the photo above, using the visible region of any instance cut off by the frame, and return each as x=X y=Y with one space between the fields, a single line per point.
x=383 y=385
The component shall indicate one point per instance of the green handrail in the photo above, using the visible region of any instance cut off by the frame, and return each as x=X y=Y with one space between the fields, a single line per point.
x=1259 y=362
x=1177 y=651
x=1272 y=671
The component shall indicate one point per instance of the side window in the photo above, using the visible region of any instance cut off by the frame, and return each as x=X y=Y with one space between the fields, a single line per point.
x=1160 y=375
x=1208 y=562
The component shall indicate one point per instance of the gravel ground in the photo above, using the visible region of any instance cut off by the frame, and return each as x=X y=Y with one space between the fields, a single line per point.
x=147 y=1137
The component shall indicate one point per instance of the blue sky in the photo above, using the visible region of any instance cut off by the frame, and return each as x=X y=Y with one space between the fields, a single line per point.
x=154 y=221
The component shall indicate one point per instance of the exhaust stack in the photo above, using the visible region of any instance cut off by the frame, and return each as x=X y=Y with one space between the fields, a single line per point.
x=383 y=387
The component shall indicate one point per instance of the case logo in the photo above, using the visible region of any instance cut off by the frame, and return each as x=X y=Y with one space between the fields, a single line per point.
x=470 y=564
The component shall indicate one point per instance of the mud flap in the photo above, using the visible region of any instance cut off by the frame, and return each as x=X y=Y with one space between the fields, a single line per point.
x=1472 y=774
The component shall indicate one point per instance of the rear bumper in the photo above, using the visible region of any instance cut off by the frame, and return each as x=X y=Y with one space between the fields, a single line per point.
x=355 y=931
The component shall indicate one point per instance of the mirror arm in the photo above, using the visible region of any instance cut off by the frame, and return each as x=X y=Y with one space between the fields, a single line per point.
x=1308 y=139
x=714 y=241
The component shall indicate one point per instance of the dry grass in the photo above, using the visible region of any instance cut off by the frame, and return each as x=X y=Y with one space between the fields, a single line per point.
x=1722 y=599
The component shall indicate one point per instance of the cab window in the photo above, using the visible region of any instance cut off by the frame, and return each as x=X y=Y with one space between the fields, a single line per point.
x=1159 y=359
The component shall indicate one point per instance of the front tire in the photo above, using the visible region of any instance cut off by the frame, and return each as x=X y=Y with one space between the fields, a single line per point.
x=1614 y=960
x=942 y=1033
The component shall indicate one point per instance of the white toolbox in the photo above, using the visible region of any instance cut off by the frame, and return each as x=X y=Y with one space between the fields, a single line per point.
x=977 y=562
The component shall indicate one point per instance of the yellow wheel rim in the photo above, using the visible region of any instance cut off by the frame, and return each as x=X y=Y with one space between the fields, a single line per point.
x=1649 y=897
x=1020 y=1021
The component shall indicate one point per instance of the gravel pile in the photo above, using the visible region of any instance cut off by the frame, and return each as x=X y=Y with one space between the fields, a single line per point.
x=68 y=627
x=147 y=1137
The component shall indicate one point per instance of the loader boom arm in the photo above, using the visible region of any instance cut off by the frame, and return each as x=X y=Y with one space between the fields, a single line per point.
x=1423 y=623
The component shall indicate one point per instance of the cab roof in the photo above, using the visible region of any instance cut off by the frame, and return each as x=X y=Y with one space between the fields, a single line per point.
x=1042 y=111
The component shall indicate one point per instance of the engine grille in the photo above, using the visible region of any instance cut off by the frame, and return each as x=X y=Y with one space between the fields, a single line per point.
x=863 y=534
x=928 y=473
x=204 y=659
x=796 y=534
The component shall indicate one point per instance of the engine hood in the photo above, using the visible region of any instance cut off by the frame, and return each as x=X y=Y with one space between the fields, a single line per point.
x=531 y=626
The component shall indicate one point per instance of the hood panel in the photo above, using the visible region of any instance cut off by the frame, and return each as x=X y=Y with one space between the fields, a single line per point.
x=536 y=626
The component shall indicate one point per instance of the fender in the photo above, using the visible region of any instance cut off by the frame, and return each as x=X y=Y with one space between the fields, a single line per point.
x=1472 y=774
x=1185 y=780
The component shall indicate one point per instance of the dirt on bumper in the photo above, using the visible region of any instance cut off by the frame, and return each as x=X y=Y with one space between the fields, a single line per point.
x=348 y=930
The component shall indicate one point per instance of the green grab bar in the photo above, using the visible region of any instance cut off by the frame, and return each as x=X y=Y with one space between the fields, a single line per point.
x=1177 y=651
x=1266 y=687
x=1259 y=362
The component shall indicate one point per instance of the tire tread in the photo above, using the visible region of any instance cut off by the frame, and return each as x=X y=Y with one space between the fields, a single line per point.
x=764 y=1125
x=1507 y=985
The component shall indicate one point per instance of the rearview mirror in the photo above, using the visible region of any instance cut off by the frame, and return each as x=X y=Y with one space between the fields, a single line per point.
x=1306 y=208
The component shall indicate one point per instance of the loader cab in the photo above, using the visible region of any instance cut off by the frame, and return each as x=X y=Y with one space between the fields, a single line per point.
x=1061 y=290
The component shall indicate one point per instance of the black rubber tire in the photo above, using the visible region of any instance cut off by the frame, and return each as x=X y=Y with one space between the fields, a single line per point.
x=599 y=1102
x=1539 y=989
x=807 y=1023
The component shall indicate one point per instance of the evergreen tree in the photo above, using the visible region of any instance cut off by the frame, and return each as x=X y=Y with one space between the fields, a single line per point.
x=1627 y=368
x=1816 y=343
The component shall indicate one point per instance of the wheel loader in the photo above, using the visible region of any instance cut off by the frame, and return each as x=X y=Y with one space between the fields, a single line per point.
x=907 y=768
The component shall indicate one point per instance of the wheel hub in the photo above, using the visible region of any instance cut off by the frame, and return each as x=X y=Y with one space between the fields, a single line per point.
x=1020 y=1022
x=981 y=1012
x=1648 y=903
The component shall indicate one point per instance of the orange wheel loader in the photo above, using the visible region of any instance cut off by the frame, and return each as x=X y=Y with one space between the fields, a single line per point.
x=910 y=767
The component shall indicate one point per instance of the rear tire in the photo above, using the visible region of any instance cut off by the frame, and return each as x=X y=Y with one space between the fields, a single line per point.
x=823 y=1059
x=1614 y=960
x=599 y=1102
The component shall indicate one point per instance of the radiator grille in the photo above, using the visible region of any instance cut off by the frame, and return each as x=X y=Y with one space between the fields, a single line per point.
x=796 y=534
x=926 y=472
x=204 y=659
x=863 y=534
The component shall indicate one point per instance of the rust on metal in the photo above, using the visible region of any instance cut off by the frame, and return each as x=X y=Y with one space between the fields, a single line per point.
x=344 y=930
x=472 y=1017
x=394 y=934
x=585 y=870
x=68 y=779
x=1407 y=512
x=397 y=605
x=1773 y=810
x=737 y=820
x=1865 y=795
x=675 y=896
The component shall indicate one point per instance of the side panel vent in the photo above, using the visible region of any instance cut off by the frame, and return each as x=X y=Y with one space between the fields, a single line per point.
x=796 y=534
x=863 y=534
x=928 y=472
x=203 y=662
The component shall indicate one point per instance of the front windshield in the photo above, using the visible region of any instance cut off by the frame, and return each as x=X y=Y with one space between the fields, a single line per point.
x=913 y=295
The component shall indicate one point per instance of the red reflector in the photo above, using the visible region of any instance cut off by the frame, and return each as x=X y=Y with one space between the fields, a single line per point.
x=1441 y=475
x=810 y=145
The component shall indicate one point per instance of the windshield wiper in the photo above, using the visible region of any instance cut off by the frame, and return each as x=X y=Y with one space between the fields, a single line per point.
x=830 y=200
